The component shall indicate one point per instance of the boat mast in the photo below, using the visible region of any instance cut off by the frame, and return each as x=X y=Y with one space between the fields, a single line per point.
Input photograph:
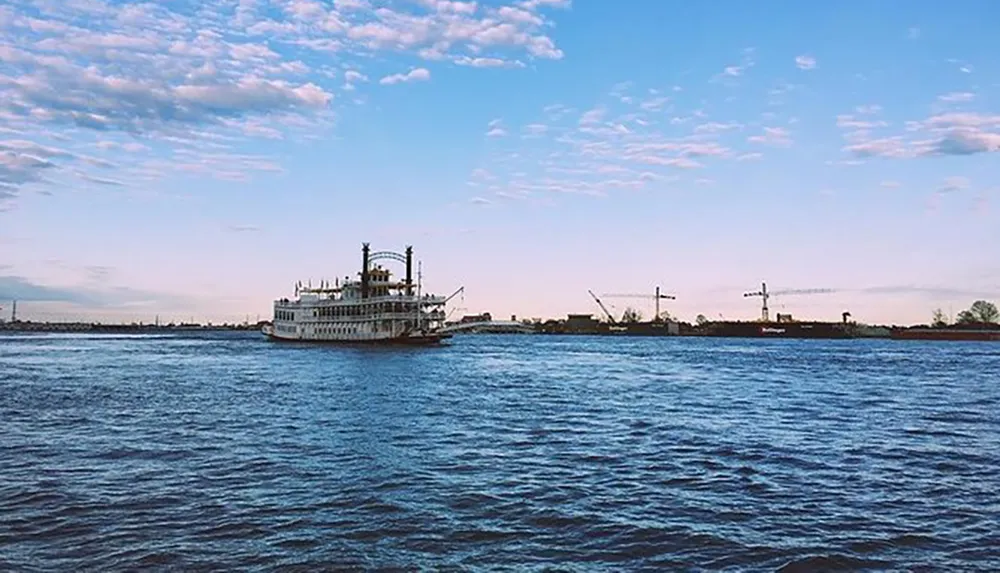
x=409 y=270
x=420 y=277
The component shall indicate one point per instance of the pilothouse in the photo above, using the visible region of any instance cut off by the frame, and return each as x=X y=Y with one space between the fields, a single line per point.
x=371 y=309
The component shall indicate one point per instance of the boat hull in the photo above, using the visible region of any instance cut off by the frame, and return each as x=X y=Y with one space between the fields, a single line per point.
x=426 y=339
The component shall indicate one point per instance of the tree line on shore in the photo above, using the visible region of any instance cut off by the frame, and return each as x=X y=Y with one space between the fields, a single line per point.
x=980 y=312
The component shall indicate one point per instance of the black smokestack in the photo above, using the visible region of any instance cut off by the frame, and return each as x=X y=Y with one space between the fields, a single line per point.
x=409 y=270
x=364 y=270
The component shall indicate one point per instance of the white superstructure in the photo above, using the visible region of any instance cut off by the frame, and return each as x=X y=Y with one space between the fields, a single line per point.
x=372 y=308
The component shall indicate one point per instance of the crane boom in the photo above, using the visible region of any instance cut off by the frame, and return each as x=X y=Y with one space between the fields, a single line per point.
x=618 y=295
x=765 y=294
x=461 y=289
x=657 y=295
x=805 y=291
x=601 y=304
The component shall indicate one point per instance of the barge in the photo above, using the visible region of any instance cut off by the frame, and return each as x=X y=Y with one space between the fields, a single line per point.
x=774 y=329
x=587 y=324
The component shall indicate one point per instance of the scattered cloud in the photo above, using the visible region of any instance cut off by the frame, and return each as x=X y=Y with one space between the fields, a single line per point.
x=778 y=136
x=943 y=134
x=592 y=116
x=805 y=62
x=101 y=180
x=158 y=77
x=957 y=97
x=488 y=62
x=495 y=129
x=243 y=229
x=885 y=147
x=353 y=77
x=24 y=162
x=17 y=169
x=70 y=93
x=535 y=4
x=964 y=141
x=535 y=129
x=717 y=127
x=623 y=143
x=414 y=75
x=889 y=184
x=732 y=72
x=953 y=184
x=961 y=66
x=850 y=122
x=655 y=103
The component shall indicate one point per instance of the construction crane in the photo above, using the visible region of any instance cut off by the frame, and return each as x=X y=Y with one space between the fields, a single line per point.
x=765 y=294
x=461 y=290
x=611 y=319
x=655 y=296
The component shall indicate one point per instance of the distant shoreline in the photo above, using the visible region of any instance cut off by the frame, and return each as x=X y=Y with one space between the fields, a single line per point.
x=719 y=329
x=27 y=326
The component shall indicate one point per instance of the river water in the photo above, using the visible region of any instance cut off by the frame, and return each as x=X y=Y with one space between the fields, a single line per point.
x=227 y=452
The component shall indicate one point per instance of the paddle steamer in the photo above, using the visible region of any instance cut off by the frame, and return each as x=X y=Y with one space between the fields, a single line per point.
x=370 y=309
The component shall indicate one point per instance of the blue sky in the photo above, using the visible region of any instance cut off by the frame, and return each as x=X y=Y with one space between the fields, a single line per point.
x=195 y=159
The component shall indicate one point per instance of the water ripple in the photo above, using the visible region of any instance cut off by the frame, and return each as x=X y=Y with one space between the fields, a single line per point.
x=222 y=451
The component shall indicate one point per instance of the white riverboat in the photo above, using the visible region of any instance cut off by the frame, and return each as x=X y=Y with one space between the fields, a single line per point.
x=371 y=309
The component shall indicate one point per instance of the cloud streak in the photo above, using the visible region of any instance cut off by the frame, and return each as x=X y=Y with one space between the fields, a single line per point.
x=931 y=292
x=26 y=290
